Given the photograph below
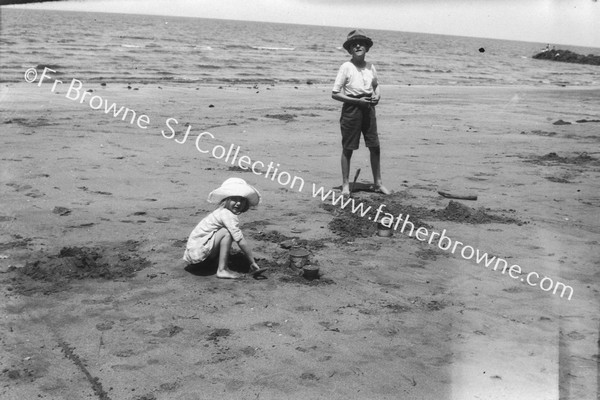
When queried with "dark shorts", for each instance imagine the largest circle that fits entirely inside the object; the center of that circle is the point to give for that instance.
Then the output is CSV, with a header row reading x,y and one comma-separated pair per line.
x,y
353,121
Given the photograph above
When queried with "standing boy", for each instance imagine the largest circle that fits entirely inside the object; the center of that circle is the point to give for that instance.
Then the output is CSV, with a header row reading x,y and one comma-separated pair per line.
x,y
357,87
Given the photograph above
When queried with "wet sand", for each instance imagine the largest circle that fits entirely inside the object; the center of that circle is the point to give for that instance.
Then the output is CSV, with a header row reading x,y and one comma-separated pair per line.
x,y
390,317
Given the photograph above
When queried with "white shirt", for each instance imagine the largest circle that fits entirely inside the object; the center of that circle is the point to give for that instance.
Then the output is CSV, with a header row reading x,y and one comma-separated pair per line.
x,y
355,81
220,218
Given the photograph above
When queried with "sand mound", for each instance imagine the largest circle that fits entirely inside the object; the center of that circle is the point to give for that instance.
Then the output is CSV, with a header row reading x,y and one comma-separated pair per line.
x,y
287,242
459,212
348,225
553,158
52,273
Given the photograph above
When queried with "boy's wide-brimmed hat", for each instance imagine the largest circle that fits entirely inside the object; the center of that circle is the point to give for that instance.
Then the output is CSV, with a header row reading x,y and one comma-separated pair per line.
x,y
235,187
355,35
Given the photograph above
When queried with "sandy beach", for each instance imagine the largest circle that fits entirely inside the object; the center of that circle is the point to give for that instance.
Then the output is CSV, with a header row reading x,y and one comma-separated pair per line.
x,y
389,318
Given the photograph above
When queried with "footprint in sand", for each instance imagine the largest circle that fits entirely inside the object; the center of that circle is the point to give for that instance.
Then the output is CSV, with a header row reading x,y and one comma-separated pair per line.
x,y
61,210
169,331
84,225
105,326
30,191
576,335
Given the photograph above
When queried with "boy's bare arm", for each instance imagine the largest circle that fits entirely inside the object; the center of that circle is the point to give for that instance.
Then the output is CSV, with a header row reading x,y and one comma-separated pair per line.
x,y
376,95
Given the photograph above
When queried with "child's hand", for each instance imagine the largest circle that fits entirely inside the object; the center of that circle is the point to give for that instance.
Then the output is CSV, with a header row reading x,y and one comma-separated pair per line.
x,y
254,266
256,270
374,100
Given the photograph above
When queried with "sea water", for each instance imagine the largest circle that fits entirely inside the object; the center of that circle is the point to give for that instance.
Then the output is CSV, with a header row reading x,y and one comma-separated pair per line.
x,y
141,49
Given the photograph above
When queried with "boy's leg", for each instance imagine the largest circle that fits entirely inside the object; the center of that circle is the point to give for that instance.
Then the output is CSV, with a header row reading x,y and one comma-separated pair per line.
x,y
350,125
223,241
369,127
376,168
346,156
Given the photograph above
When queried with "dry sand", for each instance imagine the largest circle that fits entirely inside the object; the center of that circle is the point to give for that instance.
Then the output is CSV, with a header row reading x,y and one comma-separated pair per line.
x,y
390,318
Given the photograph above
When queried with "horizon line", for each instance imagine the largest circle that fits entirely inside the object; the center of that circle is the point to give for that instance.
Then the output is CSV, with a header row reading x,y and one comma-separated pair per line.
x,y
20,7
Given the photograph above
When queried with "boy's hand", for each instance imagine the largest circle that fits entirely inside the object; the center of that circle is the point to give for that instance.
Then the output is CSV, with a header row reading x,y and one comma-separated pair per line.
x,y
365,102
374,100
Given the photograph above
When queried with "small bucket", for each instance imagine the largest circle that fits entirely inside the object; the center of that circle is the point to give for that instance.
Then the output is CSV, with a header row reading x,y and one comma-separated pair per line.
x,y
384,231
310,272
298,257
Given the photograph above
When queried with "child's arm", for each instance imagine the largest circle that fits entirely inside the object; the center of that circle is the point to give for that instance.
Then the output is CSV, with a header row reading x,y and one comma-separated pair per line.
x,y
232,224
248,251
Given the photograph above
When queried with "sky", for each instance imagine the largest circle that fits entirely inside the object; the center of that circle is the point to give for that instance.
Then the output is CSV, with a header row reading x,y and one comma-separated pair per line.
x,y
567,22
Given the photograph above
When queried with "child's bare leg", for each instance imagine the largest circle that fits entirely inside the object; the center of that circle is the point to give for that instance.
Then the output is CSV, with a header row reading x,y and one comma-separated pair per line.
x,y
223,241
376,168
346,156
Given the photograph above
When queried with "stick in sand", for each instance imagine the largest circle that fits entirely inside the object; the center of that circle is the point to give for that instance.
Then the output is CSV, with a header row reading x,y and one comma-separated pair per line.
x,y
355,178
457,195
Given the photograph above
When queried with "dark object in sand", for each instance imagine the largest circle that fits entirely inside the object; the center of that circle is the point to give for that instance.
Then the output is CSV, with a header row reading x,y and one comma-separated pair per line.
x,y
561,122
355,178
258,272
310,272
384,231
236,168
568,56
61,210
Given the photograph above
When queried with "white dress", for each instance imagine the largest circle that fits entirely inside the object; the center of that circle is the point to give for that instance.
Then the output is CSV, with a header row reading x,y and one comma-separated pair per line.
x,y
202,239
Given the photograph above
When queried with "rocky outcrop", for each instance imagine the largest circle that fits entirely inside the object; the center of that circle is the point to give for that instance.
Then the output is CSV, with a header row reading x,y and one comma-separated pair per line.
x,y
568,56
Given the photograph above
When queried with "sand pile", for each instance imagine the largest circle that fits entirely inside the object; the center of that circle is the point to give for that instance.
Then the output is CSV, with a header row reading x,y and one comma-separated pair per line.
x,y
349,225
288,242
459,212
51,273
554,158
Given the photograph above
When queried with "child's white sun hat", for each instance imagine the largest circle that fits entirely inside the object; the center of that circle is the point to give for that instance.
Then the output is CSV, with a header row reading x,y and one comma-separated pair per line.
x,y
235,187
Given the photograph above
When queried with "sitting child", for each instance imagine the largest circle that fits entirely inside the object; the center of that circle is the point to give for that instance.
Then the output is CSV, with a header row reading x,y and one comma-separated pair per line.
x,y
215,234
